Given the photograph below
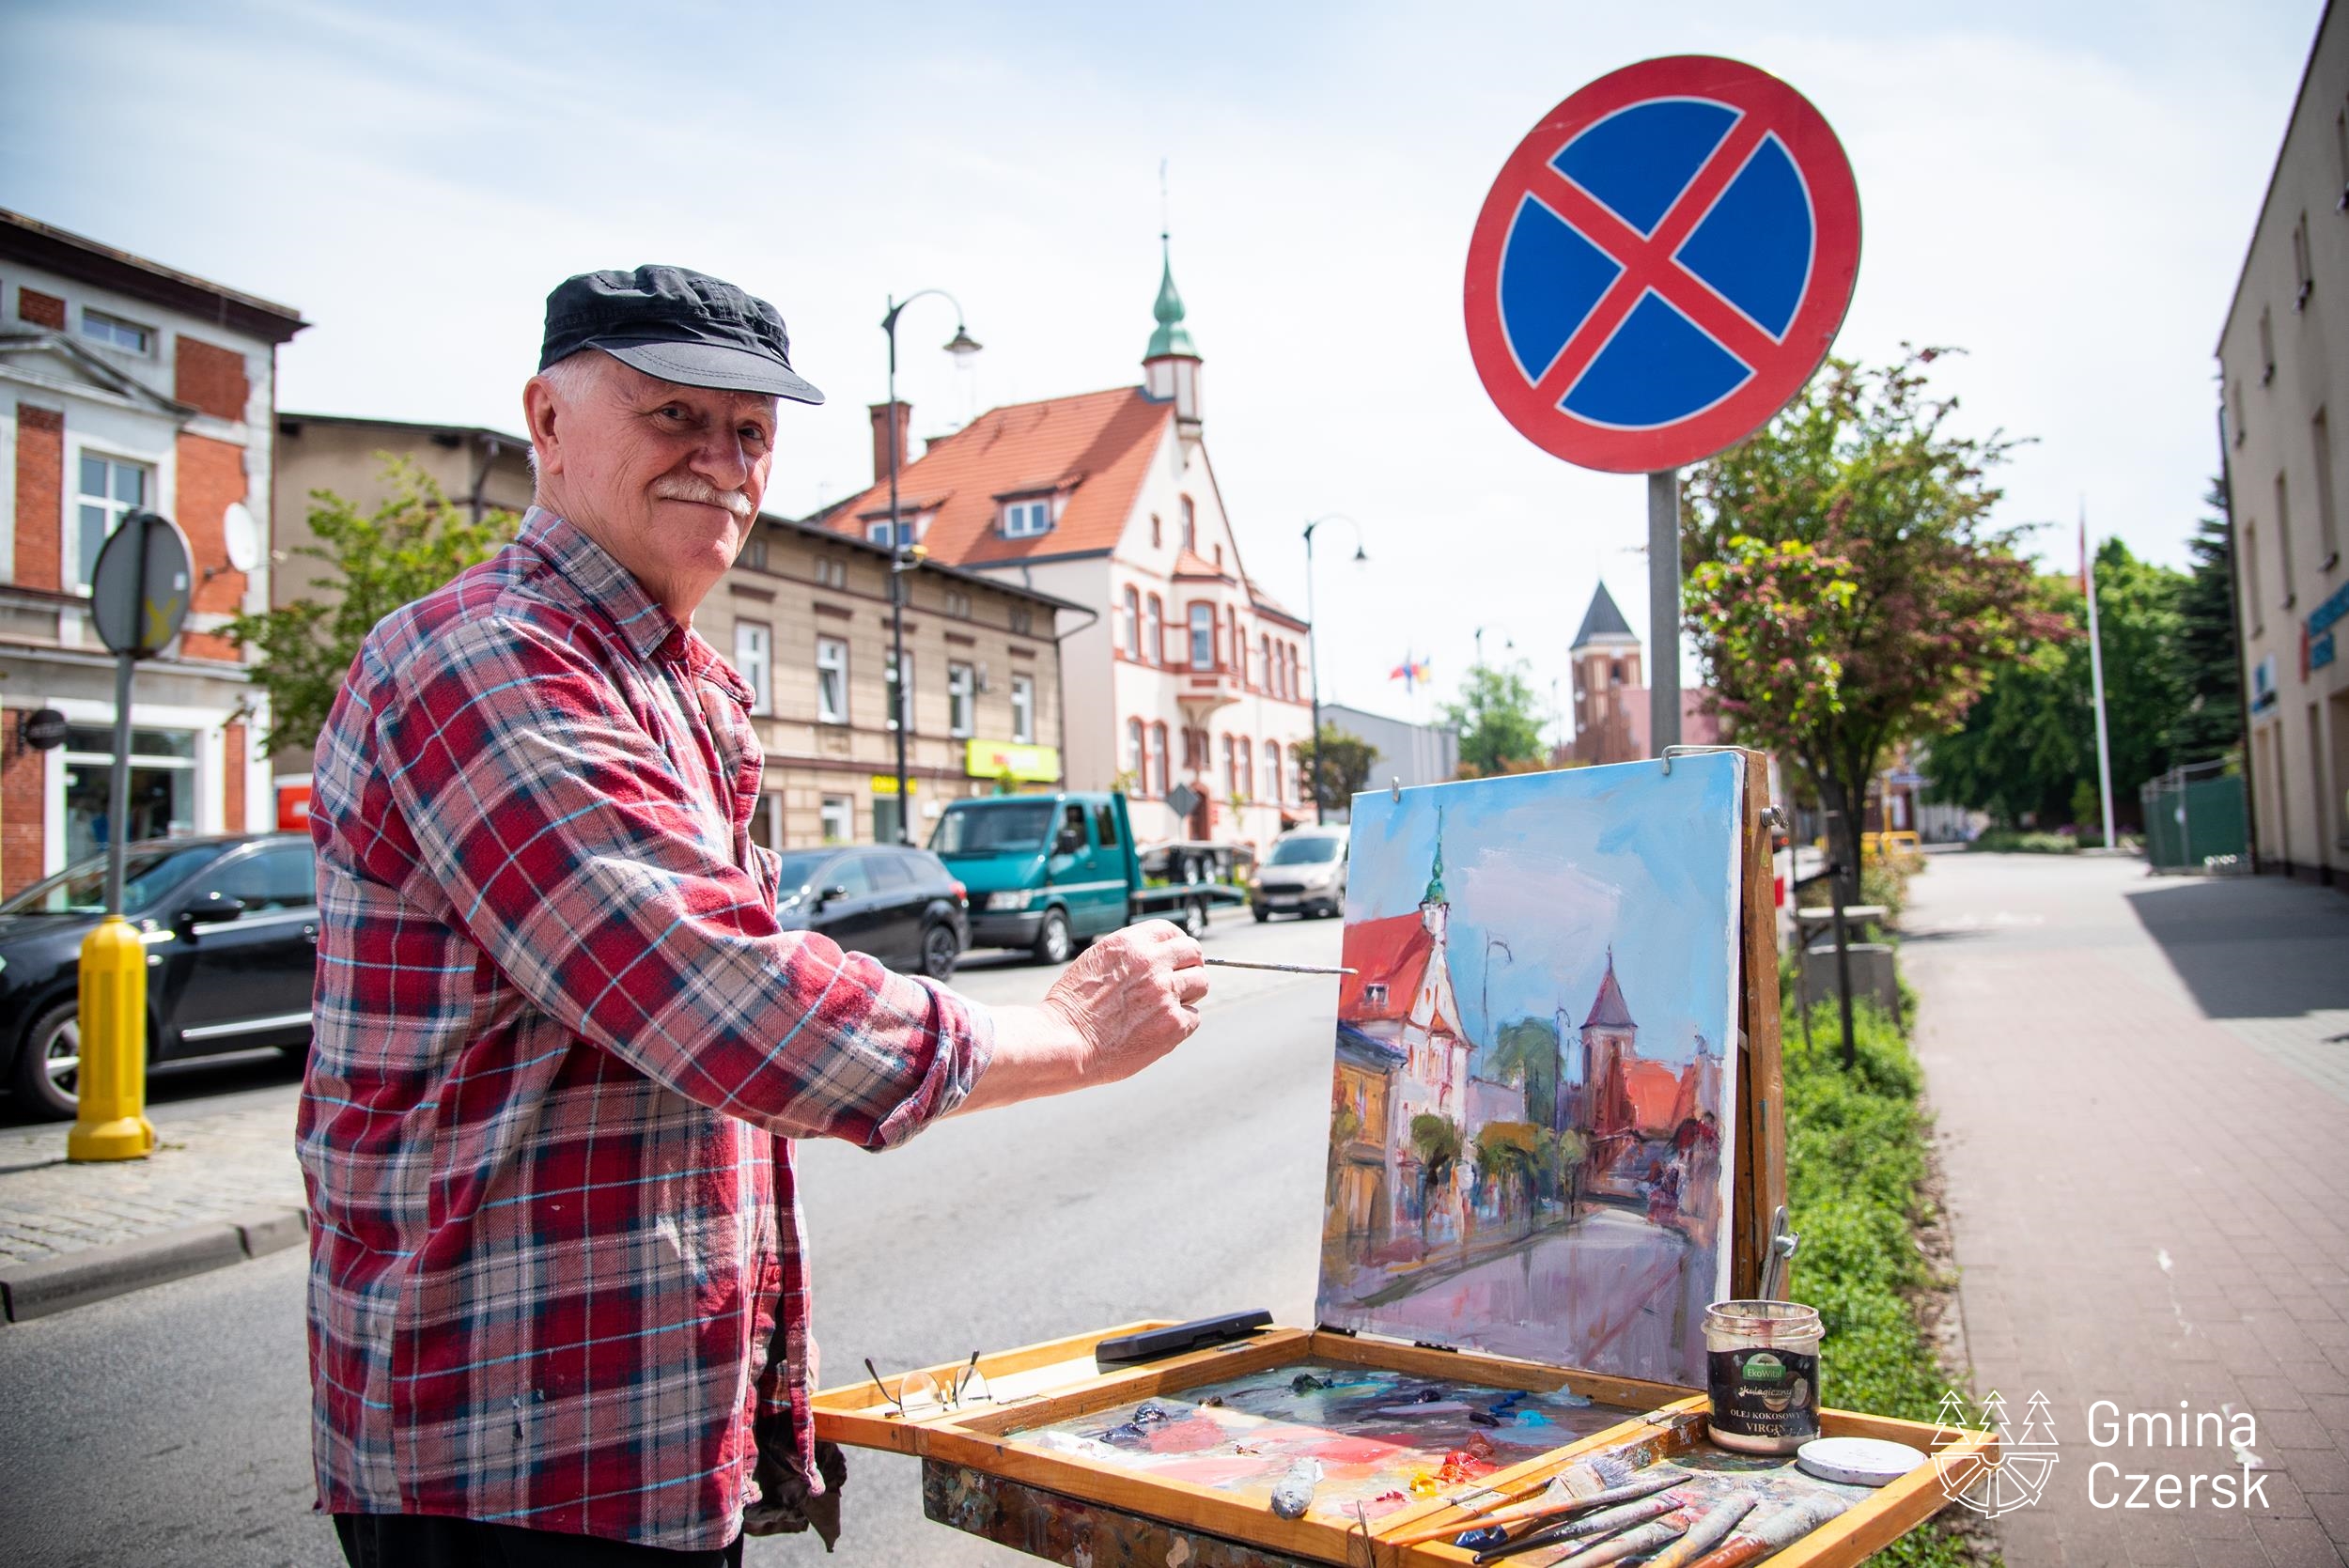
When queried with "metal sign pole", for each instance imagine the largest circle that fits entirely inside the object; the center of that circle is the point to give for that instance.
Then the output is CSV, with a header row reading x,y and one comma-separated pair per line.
x,y
1663,609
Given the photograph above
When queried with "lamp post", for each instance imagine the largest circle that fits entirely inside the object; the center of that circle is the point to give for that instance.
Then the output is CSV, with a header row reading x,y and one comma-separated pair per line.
x,y
1508,643
902,559
1313,648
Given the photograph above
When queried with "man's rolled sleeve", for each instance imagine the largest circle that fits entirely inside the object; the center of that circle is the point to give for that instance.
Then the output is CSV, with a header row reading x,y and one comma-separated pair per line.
x,y
546,816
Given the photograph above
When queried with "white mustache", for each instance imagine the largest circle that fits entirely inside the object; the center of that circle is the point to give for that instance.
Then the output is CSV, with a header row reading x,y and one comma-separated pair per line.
x,y
704,493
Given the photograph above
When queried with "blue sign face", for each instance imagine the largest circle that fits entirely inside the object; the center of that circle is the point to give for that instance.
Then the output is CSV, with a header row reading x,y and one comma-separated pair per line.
x,y
1662,264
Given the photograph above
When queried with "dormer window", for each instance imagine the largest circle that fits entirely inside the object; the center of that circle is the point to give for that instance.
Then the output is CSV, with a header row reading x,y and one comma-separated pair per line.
x,y
909,532
1024,519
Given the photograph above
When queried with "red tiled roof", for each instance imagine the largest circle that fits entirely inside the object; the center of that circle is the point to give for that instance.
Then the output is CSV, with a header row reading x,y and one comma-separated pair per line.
x,y
1191,564
1392,951
1653,1090
1095,446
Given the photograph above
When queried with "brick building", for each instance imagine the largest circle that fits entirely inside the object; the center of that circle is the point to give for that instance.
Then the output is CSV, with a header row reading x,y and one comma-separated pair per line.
x,y
125,384
1189,672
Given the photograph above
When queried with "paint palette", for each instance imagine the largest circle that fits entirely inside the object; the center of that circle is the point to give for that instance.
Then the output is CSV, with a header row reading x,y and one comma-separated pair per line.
x,y
1381,1439
1516,1249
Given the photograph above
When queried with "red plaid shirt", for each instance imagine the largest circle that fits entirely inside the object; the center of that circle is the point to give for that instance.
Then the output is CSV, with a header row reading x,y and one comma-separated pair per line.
x,y
562,1050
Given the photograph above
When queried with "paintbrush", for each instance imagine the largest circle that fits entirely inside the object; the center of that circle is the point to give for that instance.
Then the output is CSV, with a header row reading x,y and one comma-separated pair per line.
x,y
1606,1522
1711,1529
1584,1477
1648,1538
1779,1529
1277,968
1541,1510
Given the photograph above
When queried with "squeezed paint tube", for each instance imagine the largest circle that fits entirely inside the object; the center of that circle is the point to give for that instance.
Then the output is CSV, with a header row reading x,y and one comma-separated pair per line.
x,y
1711,1529
1293,1492
1551,1504
1780,1529
1606,1522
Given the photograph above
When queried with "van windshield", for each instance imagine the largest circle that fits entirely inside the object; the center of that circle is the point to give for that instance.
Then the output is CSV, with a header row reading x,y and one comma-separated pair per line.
x,y
1001,830
1303,851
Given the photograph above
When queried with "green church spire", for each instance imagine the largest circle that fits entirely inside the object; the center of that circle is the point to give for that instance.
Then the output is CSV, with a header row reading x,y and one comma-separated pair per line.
x,y
1172,337
1434,872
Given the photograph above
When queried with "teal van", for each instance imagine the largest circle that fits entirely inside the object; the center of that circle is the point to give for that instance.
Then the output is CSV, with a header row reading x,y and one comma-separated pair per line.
x,y
1049,873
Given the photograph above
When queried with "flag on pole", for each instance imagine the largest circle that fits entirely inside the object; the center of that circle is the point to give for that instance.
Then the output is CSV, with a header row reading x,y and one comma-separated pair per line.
x,y
1413,671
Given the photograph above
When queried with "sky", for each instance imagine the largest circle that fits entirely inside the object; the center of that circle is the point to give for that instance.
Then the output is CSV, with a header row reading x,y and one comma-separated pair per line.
x,y
1546,873
2065,192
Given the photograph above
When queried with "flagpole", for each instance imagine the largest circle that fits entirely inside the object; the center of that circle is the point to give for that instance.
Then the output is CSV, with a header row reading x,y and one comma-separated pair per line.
x,y
2097,677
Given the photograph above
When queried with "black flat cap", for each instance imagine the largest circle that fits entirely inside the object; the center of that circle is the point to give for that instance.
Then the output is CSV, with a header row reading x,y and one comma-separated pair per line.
x,y
677,324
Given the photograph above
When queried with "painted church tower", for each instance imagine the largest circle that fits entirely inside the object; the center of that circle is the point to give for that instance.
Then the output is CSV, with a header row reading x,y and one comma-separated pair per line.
x,y
1431,1031
1609,1038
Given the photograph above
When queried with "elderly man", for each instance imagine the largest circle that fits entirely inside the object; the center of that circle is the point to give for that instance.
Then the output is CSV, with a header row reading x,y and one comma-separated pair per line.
x,y
558,1284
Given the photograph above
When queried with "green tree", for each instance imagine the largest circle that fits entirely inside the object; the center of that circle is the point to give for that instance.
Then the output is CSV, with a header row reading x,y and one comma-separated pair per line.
x,y
377,562
1508,1156
2026,752
1528,1046
1437,1141
1337,767
1564,1153
1844,586
2210,677
1499,721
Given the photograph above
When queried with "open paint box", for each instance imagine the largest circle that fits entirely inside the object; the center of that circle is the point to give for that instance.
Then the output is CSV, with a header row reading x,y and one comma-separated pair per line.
x,y
1537,1183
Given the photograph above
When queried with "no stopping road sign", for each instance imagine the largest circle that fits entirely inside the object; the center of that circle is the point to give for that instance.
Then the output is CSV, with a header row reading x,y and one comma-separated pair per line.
x,y
1662,264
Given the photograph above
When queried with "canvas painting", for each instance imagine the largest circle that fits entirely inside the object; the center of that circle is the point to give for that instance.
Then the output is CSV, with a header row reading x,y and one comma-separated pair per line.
x,y
1531,1129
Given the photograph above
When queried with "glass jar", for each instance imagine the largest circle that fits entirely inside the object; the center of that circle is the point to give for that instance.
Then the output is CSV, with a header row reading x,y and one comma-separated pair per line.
x,y
1762,1365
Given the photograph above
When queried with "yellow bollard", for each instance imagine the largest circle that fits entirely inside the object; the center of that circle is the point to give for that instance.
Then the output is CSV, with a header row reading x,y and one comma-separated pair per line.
x,y
112,1122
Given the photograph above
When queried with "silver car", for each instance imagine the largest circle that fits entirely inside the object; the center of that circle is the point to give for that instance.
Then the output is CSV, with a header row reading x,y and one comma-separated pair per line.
x,y
1305,875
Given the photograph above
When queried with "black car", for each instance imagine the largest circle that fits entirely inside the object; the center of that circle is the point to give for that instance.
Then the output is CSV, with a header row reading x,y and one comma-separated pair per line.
x,y
231,928
899,904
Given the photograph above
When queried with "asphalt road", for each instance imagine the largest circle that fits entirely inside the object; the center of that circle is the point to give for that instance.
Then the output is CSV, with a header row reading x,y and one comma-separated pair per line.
x,y
172,1425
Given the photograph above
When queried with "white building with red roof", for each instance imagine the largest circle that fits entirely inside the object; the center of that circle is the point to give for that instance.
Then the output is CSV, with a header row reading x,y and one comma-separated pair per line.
x,y
1190,673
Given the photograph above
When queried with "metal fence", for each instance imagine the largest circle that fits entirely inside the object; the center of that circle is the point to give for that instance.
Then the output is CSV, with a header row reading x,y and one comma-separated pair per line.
x,y
2193,815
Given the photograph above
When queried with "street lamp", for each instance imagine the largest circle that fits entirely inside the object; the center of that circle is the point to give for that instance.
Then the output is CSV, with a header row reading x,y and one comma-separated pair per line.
x,y
902,560
1508,643
1312,650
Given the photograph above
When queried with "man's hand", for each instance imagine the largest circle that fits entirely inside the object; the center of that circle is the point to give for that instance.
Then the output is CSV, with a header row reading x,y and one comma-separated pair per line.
x,y
1130,999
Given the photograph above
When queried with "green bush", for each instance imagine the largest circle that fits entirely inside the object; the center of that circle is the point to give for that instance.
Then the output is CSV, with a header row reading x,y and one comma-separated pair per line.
x,y
1855,1158
2010,840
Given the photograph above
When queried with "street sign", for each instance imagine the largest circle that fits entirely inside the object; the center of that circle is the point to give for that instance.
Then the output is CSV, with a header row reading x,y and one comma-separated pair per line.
x,y
1661,264
42,729
140,589
1183,799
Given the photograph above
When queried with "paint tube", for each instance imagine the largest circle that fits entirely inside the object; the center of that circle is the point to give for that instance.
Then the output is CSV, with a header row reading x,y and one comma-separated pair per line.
x,y
1781,1527
1293,1492
1709,1530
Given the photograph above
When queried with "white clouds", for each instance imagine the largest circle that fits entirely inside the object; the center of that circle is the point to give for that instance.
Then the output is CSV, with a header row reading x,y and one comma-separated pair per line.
x,y
2064,193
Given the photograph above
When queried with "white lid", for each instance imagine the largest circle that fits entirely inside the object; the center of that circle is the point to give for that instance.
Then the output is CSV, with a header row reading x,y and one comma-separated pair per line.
x,y
1858,1461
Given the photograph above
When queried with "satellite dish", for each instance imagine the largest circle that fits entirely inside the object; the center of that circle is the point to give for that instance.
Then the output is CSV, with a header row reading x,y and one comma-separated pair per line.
x,y
242,537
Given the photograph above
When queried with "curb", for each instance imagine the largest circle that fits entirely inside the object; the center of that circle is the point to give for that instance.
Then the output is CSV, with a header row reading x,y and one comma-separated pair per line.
x,y
41,1286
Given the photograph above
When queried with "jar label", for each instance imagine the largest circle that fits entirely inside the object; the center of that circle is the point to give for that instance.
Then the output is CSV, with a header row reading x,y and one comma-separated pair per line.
x,y
1764,1394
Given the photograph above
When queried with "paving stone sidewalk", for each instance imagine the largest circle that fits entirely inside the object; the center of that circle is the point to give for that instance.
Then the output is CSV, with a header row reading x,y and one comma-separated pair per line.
x,y
214,1161
2142,1086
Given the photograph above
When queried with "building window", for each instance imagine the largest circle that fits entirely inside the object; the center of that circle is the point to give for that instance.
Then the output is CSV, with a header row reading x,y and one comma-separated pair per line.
x,y
1237,644
1244,772
2283,540
1133,754
900,692
1190,524
1158,759
2327,525
2300,264
831,681
831,573
2341,158
114,333
958,604
1153,630
2251,581
1264,664
1203,636
1194,750
1023,621
962,701
1157,532
1129,623
1023,709
163,786
1231,765
1026,518
909,531
2238,410
1374,994
2268,346
838,817
753,657
1272,771
111,489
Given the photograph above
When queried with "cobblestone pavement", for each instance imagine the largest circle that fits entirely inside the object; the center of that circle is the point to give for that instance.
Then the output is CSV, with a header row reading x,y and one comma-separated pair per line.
x,y
2144,1100
215,1158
